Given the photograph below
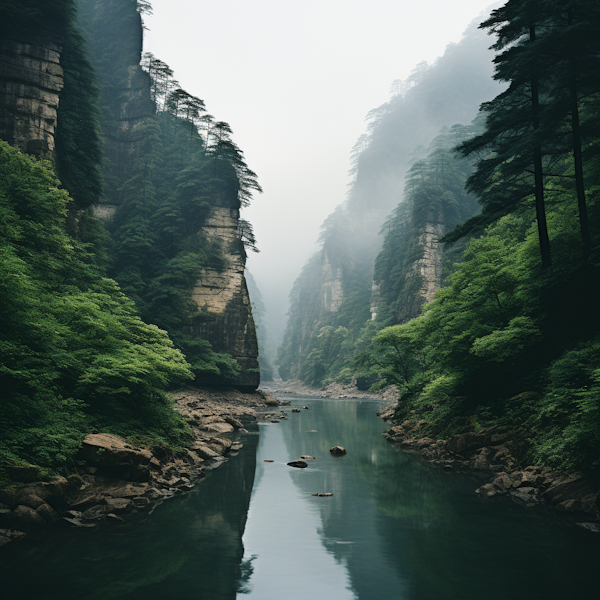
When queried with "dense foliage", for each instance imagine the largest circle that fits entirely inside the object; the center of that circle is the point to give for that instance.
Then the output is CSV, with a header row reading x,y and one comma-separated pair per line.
x,y
514,337
75,355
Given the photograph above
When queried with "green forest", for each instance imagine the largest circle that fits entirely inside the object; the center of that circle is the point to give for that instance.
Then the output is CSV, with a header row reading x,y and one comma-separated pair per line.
x,y
513,335
98,321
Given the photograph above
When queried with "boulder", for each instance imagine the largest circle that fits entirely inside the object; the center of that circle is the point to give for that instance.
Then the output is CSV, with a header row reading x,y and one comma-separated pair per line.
x,y
322,494
270,401
47,513
218,427
28,498
337,451
27,518
307,457
487,491
299,464
114,454
204,451
296,410
503,482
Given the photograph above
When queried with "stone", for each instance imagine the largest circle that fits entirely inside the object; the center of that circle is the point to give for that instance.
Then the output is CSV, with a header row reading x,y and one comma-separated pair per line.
x,y
141,502
12,534
27,518
73,514
296,410
424,442
204,451
233,422
153,494
269,460
307,457
337,451
487,491
96,513
305,407
28,498
503,482
4,541
113,517
118,505
322,494
114,453
74,482
593,527
299,464
270,401
47,513
218,427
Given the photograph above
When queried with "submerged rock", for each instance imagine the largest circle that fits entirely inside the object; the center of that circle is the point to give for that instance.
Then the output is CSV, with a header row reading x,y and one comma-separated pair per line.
x,y
299,464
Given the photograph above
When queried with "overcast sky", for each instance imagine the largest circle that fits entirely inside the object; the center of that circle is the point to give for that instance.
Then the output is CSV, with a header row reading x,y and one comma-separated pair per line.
x,y
295,79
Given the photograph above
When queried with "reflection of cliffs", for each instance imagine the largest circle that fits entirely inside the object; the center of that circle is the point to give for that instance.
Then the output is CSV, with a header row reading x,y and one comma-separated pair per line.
x,y
347,283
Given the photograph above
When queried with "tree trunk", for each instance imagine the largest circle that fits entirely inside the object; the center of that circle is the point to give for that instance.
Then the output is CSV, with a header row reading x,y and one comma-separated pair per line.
x,y
540,209
581,203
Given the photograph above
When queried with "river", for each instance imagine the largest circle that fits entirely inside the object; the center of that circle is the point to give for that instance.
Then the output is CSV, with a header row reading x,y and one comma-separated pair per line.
x,y
395,528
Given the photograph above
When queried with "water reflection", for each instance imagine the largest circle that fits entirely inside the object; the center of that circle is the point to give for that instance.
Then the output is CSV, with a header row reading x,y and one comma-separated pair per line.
x,y
398,528
190,547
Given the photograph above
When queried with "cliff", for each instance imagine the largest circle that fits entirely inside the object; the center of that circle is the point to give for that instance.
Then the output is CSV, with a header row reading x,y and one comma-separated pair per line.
x,y
161,176
346,285
31,79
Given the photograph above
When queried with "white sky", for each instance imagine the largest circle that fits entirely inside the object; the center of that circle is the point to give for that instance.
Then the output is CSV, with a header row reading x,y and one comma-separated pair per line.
x,y
295,79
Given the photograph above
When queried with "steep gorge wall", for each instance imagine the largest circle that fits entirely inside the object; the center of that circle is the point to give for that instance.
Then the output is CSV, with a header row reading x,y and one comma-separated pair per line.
x,y
130,131
223,298
448,91
31,79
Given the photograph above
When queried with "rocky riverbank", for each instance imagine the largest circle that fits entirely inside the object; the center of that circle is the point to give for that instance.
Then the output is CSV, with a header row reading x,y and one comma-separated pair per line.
x,y
333,390
117,478
498,455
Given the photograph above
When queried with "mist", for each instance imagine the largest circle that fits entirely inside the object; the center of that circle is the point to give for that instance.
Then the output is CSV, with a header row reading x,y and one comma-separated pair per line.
x,y
295,82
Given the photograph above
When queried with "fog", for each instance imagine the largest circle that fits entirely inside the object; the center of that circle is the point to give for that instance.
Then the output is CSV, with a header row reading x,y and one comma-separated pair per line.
x,y
295,81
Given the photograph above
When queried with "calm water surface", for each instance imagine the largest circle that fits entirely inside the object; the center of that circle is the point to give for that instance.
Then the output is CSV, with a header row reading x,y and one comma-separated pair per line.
x,y
395,528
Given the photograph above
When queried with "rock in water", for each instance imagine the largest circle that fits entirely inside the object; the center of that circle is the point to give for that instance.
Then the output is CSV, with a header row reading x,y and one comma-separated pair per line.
x,y
307,457
299,464
337,451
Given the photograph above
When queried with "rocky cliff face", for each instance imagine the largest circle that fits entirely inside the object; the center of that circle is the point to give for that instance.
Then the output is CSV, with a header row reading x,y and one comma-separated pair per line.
x,y
223,297
132,146
31,79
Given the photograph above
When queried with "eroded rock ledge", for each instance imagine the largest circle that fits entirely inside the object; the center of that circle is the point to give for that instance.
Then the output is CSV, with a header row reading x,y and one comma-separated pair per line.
x,y
119,479
498,454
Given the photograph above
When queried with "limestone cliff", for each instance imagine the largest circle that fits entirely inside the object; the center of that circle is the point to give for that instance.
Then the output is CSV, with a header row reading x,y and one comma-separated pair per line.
x,y
350,284
31,79
147,151
223,298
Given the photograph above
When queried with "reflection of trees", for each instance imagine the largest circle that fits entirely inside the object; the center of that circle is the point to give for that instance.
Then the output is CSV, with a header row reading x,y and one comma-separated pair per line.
x,y
406,524
189,547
